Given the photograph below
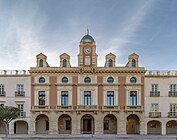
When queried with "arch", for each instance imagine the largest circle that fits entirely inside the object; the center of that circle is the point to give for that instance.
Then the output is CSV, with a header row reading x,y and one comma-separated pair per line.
x,y
110,80
41,80
171,127
64,124
87,80
64,80
110,63
87,124
133,63
42,124
110,124
154,127
2,128
41,63
20,127
64,63
133,124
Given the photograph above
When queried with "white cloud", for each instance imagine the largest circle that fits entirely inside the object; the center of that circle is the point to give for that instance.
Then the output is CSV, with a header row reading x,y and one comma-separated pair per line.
x,y
124,35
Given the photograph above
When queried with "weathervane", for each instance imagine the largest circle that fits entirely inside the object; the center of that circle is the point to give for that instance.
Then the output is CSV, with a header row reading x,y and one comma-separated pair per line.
x,y
87,31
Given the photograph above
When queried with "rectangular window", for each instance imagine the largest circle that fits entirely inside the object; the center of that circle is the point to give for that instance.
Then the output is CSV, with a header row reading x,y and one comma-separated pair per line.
x,y
64,98
110,98
133,98
154,89
106,125
20,88
154,107
173,109
68,125
87,60
41,97
20,107
87,97
173,89
2,93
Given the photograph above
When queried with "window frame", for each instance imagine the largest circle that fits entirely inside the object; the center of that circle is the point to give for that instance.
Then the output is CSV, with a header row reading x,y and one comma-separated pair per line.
x,y
87,80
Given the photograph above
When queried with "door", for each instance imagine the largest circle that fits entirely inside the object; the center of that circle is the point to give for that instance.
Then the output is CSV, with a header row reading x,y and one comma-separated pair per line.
x,y
87,125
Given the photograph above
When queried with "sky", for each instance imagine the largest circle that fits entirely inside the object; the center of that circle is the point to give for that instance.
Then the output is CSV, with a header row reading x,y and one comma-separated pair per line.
x,y
123,27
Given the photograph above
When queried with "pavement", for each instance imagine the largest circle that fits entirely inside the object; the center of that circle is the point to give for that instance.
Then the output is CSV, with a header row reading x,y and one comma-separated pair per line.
x,y
89,137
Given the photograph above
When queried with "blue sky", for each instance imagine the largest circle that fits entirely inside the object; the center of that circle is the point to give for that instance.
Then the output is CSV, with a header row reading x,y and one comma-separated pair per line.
x,y
146,27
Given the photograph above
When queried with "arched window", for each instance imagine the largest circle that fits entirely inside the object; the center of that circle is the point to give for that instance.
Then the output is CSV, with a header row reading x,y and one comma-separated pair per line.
x,y
64,63
87,80
41,63
132,80
41,80
110,63
133,63
64,80
110,80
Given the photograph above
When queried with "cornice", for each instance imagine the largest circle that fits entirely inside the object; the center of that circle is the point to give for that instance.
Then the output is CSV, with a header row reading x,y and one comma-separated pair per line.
x,y
92,70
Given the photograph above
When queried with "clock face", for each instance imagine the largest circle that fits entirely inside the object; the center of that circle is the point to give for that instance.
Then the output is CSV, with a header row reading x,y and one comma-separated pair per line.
x,y
87,50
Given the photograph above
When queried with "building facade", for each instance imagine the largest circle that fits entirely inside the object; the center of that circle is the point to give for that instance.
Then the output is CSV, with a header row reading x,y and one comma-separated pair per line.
x,y
88,99
161,102
15,91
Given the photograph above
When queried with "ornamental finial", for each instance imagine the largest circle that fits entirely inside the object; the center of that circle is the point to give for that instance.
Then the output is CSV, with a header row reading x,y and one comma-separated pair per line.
x,y
87,31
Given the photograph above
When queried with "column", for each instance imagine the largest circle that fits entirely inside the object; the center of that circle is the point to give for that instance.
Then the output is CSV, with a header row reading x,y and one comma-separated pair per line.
x,y
121,128
163,128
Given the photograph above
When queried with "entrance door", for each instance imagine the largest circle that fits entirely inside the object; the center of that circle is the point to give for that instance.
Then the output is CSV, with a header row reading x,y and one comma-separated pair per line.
x,y
87,125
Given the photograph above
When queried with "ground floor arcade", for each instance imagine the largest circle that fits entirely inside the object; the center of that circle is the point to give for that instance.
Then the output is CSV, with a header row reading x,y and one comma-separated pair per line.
x,y
17,126
90,122
161,126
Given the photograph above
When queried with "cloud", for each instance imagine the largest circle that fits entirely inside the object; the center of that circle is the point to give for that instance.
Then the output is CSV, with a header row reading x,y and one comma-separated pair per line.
x,y
119,41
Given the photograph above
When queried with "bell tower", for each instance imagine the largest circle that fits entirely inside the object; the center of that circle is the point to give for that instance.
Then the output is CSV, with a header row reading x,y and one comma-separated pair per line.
x,y
87,56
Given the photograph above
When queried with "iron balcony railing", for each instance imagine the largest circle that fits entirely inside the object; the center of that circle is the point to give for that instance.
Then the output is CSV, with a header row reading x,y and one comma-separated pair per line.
x,y
154,93
20,93
155,114
21,114
172,114
2,93
172,94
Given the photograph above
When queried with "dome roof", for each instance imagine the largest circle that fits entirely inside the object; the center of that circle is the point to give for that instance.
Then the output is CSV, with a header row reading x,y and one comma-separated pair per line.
x,y
87,38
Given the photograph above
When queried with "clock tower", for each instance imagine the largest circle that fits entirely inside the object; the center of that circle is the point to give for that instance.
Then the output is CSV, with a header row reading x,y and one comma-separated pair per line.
x,y
87,56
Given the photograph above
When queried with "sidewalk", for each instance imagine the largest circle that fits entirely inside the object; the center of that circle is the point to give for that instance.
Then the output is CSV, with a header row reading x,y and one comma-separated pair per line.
x,y
89,136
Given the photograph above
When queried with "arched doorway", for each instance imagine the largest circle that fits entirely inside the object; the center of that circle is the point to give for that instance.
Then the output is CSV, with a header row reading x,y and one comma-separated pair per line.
x,y
110,124
154,127
20,127
42,124
2,128
171,127
87,124
133,124
64,124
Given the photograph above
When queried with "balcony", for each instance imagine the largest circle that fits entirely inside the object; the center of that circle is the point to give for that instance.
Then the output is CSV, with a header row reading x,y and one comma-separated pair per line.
x,y
21,114
40,108
172,114
154,114
134,108
2,93
63,108
87,107
110,108
154,93
19,93
172,94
